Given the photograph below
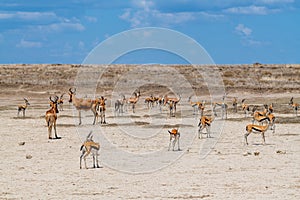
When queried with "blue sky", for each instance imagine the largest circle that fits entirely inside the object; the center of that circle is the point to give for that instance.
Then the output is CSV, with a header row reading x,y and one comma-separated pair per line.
x,y
231,31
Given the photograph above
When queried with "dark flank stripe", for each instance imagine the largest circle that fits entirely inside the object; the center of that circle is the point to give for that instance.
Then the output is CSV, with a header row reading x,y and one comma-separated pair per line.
x,y
263,119
254,128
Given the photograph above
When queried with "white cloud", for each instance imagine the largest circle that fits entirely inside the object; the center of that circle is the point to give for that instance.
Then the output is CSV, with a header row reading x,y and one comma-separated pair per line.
x,y
91,19
251,10
28,16
246,36
29,44
275,1
60,27
243,30
6,16
143,18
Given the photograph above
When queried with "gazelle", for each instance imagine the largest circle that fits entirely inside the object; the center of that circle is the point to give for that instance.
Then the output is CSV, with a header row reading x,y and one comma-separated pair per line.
x,y
23,107
60,102
133,100
89,146
198,106
260,113
259,129
234,104
270,108
172,108
223,106
149,101
204,123
172,103
51,117
174,135
272,118
83,104
269,118
102,108
119,105
295,106
245,107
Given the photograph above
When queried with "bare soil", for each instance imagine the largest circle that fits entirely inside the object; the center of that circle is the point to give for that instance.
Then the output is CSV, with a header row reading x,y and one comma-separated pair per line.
x,y
221,167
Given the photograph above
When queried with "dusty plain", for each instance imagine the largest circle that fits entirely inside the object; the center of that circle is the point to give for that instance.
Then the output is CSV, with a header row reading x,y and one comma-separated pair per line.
x,y
221,167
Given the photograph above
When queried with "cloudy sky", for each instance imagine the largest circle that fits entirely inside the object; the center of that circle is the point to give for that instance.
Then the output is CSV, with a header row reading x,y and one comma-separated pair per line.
x,y
231,31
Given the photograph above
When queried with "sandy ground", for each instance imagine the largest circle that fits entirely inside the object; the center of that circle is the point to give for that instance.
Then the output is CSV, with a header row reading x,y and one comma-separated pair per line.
x,y
49,169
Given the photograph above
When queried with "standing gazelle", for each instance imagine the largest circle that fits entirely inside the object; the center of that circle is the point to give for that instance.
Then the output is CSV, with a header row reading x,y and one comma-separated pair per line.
x,y
102,109
83,104
60,102
204,123
295,106
51,117
174,135
89,146
234,104
260,129
23,107
133,100
172,104
245,107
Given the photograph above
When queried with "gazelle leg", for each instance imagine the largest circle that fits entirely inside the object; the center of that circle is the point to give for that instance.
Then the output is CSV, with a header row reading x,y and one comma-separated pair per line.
x,y
97,163
81,160
54,126
95,115
263,137
49,131
246,135
208,131
79,114
178,144
170,143
94,165
104,122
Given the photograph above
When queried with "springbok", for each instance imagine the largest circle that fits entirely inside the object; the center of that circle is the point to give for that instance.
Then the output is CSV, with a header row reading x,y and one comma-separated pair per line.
x,y
234,104
260,129
51,117
268,118
204,123
295,106
270,108
133,100
172,103
149,101
119,105
89,146
245,107
198,106
174,135
102,108
60,102
260,113
23,107
83,104
223,106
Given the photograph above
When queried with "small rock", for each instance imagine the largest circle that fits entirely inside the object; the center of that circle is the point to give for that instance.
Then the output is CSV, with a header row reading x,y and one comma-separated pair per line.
x,y
280,152
256,153
21,143
246,153
28,156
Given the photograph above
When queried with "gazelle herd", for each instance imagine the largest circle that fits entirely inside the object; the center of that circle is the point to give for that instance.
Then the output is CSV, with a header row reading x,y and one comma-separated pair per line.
x,y
262,120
